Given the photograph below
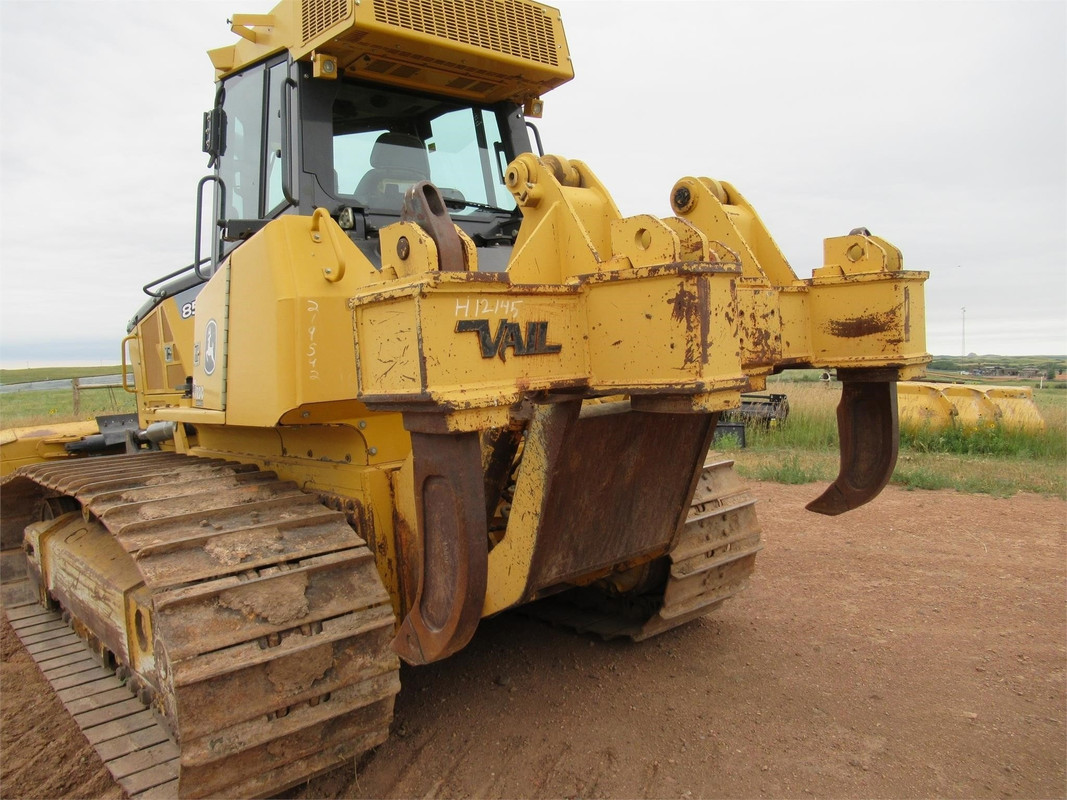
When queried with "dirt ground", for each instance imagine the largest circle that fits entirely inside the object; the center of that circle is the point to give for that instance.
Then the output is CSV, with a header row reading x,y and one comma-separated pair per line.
x,y
913,648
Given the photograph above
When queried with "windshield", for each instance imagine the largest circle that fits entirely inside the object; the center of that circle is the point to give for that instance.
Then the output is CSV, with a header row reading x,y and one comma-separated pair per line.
x,y
385,141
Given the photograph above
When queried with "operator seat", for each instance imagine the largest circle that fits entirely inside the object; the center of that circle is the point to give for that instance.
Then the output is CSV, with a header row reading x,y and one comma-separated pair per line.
x,y
398,161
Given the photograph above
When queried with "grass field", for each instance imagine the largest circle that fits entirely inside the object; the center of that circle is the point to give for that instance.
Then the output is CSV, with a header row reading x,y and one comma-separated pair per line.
x,y
21,409
992,461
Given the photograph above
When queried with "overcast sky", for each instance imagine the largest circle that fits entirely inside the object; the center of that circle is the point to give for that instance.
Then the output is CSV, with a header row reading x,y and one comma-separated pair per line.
x,y
939,126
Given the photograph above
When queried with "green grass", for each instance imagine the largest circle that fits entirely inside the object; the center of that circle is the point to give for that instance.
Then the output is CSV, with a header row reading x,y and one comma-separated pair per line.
x,y
921,478
803,450
789,470
728,441
29,408
989,461
812,422
992,441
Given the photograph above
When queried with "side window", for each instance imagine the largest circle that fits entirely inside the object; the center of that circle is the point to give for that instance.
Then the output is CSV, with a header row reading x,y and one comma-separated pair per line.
x,y
498,191
240,163
275,197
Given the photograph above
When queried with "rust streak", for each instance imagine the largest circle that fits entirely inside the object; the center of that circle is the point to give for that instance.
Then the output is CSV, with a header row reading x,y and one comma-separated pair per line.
x,y
704,318
866,325
685,305
907,315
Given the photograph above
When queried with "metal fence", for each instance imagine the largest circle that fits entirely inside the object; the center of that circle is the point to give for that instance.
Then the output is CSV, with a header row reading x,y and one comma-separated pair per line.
x,y
76,385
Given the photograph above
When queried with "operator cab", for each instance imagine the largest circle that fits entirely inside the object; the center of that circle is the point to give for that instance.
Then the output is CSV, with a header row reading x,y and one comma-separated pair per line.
x,y
283,141
344,106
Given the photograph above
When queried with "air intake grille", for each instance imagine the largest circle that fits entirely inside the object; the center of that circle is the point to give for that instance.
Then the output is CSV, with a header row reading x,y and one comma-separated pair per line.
x,y
317,16
513,27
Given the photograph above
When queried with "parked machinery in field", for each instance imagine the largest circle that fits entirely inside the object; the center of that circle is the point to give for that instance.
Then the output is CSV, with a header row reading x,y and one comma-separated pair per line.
x,y
767,410
941,406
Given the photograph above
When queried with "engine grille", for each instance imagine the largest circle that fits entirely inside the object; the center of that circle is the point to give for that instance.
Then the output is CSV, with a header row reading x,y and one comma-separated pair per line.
x,y
318,15
512,27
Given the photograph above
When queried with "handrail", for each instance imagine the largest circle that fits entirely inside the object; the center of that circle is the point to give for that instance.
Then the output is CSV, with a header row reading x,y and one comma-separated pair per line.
x,y
320,226
198,261
125,386
288,85
537,137
149,287
220,199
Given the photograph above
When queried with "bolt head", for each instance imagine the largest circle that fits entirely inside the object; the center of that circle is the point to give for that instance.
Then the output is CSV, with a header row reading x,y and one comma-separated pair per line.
x,y
681,199
403,248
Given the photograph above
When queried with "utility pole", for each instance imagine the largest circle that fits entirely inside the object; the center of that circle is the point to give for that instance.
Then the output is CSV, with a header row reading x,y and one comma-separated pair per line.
x,y
963,331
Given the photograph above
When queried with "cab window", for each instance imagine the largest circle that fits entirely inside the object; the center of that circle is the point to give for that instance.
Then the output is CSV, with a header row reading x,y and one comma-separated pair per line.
x,y
250,164
385,142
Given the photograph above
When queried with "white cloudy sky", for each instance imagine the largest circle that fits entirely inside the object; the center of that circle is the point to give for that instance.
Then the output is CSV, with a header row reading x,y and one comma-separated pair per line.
x,y
940,126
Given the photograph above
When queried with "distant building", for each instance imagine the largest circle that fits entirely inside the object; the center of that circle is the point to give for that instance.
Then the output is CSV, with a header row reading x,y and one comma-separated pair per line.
x,y
997,371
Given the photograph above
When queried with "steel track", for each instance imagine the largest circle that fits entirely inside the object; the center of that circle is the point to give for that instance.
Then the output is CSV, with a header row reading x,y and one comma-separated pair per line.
x,y
710,562
271,625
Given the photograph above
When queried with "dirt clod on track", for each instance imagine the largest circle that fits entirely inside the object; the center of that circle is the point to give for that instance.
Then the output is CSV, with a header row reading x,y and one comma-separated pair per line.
x,y
913,648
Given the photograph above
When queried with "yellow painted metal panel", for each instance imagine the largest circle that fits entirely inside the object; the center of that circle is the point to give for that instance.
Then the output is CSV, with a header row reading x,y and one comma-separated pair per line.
x,y
29,445
465,343
941,405
484,50
210,345
1017,409
973,408
924,405
870,320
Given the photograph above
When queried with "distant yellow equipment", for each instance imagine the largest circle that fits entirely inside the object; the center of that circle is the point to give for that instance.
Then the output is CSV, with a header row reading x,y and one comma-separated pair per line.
x,y
938,406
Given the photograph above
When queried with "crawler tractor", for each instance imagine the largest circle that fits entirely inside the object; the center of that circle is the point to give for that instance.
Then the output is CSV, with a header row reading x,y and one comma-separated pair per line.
x,y
418,374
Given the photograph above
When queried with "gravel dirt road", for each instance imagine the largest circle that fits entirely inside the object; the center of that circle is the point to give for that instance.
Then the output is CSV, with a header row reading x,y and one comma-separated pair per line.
x,y
913,648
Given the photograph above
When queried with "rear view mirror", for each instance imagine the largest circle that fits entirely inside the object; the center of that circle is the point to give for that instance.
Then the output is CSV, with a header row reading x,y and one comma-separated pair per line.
x,y
214,133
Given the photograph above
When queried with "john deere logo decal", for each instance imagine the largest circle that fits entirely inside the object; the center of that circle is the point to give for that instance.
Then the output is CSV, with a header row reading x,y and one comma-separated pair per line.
x,y
509,336
211,338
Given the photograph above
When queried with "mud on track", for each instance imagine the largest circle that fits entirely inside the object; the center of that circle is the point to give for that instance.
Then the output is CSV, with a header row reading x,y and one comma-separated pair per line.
x,y
915,647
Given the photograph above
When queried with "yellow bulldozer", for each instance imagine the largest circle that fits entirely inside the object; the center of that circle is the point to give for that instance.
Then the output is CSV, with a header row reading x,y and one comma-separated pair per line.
x,y
418,374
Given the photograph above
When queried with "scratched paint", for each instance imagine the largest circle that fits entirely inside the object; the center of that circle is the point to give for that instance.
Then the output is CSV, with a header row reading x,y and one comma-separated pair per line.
x,y
312,350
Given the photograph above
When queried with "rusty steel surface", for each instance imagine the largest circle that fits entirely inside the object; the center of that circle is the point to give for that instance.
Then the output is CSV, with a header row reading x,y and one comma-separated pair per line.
x,y
20,504
453,547
423,204
710,562
868,429
616,490
271,626
500,445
